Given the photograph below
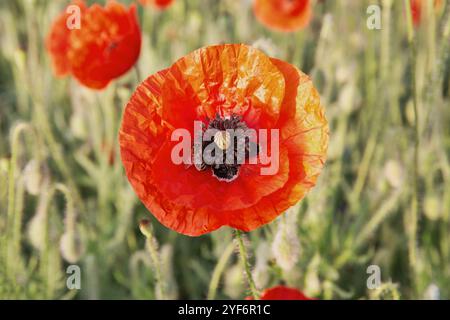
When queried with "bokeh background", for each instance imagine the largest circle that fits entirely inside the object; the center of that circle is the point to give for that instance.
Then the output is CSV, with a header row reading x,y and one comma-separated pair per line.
x,y
60,164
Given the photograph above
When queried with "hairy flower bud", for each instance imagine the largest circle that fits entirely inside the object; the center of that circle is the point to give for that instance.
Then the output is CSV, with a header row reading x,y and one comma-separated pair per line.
x,y
261,271
168,275
286,245
71,243
432,292
34,176
37,227
72,246
432,207
36,230
393,173
234,279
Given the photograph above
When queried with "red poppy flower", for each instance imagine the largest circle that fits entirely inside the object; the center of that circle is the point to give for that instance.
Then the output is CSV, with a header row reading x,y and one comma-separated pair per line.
x,y
224,86
105,46
283,15
282,293
160,4
418,5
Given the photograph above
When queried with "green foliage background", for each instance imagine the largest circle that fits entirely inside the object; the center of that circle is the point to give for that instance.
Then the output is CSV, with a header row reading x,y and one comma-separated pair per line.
x,y
59,162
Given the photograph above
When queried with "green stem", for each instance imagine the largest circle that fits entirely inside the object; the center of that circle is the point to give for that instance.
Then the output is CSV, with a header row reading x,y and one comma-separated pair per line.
x,y
12,187
218,270
17,228
412,241
138,74
152,247
56,152
48,245
246,264
70,206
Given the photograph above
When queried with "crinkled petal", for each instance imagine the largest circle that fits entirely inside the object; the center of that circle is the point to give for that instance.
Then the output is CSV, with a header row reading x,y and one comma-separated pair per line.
x,y
106,46
304,132
193,189
193,202
57,42
225,80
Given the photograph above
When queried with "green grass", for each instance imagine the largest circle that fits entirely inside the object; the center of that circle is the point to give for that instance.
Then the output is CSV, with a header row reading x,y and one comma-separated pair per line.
x,y
360,213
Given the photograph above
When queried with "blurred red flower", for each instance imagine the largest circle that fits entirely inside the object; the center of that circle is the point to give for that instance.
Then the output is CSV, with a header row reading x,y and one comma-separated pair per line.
x,y
282,293
283,15
417,6
105,46
231,86
160,4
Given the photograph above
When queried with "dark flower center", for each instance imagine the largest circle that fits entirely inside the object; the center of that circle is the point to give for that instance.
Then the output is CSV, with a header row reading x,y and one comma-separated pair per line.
x,y
226,148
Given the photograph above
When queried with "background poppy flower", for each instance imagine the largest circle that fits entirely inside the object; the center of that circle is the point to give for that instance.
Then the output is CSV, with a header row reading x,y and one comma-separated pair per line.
x,y
160,4
283,293
106,45
58,42
225,80
417,6
283,15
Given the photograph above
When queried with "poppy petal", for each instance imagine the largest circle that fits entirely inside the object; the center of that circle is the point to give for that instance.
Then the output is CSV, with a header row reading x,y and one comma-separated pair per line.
x,y
57,42
106,45
283,15
304,132
283,293
224,79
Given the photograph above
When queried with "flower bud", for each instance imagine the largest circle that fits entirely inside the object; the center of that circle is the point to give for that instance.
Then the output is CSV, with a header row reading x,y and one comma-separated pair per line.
x,y
71,246
168,275
146,228
393,173
71,243
432,207
34,176
312,281
432,292
349,98
37,227
261,271
78,125
233,281
286,246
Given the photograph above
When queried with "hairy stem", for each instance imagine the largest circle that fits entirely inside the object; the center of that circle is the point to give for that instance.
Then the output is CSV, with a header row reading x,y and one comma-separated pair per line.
x,y
246,264
152,247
